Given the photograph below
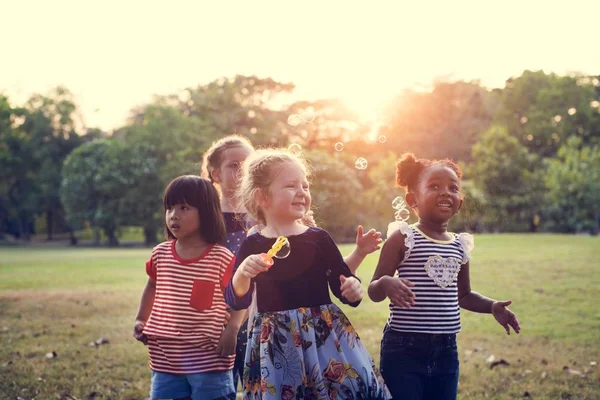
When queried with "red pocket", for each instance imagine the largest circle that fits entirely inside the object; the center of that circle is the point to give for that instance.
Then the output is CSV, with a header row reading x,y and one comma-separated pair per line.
x,y
202,295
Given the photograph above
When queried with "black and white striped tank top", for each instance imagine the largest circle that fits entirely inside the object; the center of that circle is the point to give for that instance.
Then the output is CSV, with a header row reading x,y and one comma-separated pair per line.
x,y
433,266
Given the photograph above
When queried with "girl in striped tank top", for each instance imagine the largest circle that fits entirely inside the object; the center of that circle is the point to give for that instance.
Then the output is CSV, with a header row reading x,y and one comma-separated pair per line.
x,y
182,312
424,271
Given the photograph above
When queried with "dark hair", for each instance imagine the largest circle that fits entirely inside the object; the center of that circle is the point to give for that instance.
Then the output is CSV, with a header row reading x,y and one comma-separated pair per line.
x,y
409,169
200,193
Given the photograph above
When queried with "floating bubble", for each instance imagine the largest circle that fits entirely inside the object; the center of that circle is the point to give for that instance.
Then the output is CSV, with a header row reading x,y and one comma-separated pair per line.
x,y
557,118
284,251
572,111
295,120
402,215
339,146
524,120
309,115
398,203
530,137
381,139
361,163
594,103
595,82
295,148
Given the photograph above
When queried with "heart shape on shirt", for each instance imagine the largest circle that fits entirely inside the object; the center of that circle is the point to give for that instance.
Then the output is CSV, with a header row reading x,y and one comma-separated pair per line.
x,y
442,270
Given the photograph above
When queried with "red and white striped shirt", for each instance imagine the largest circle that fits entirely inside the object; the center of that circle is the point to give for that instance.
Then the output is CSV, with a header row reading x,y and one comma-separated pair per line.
x,y
187,317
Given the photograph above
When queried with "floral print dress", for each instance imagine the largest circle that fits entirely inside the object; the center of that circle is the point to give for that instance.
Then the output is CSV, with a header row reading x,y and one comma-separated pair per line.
x,y
300,345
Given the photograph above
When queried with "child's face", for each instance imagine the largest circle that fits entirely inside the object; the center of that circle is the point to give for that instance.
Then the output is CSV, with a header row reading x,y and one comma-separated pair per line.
x,y
227,173
438,195
288,197
183,220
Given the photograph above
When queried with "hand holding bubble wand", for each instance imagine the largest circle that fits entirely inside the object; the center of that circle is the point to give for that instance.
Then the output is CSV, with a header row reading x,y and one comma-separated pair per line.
x,y
280,249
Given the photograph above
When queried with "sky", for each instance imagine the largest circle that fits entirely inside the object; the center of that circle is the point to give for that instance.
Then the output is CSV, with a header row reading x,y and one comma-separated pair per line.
x,y
115,55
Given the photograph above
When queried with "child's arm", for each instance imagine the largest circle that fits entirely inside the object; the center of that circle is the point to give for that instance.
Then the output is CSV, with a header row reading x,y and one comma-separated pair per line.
x,y
238,294
228,340
144,310
365,245
384,284
476,302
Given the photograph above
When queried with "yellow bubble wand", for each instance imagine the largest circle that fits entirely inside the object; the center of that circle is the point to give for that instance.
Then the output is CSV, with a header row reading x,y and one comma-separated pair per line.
x,y
276,248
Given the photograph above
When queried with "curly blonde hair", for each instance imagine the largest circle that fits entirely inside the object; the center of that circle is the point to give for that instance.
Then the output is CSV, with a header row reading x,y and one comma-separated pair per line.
x,y
258,172
213,156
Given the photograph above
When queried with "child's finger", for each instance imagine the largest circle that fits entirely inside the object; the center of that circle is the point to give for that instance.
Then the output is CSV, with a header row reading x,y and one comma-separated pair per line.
x,y
407,283
506,327
505,303
359,231
515,324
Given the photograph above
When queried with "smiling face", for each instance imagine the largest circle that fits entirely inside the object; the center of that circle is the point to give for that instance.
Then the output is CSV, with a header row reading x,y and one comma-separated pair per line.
x,y
288,196
437,197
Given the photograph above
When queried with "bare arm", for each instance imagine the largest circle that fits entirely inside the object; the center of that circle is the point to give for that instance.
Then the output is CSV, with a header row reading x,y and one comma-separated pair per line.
x,y
144,310
476,302
228,340
383,283
468,299
354,259
365,244
147,301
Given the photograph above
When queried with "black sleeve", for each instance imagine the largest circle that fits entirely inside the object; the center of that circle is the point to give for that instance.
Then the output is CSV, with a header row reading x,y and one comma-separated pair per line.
x,y
335,267
240,303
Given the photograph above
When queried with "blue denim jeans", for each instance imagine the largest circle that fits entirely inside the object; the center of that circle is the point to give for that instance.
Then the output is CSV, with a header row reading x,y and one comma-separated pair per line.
x,y
419,366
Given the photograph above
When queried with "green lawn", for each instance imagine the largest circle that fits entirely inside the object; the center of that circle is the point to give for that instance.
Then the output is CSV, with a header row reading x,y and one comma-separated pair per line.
x,y
61,299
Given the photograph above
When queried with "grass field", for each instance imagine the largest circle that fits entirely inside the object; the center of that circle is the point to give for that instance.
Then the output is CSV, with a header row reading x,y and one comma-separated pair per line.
x,y
59,300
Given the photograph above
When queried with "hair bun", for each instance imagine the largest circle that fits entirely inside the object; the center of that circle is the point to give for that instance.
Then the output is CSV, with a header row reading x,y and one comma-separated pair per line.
x,y
407,170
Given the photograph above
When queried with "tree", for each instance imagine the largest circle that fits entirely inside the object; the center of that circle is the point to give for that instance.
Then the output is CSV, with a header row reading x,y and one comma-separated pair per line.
x,y
18,191
500,169
331,182
443,123
573,187
51,124
242,105
543,110
99,180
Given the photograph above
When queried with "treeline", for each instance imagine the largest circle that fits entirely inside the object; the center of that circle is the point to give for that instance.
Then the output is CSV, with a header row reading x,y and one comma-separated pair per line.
x,y
530,152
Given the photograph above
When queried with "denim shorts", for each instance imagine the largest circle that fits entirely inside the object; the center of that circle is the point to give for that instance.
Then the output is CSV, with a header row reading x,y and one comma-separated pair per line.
x,y
204,386
420,366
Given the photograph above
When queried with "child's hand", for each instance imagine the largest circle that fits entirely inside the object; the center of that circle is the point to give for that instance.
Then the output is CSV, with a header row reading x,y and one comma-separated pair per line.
x,y
399,293
351,289
368,242
227,342
252,266
138,332
227,316
505,317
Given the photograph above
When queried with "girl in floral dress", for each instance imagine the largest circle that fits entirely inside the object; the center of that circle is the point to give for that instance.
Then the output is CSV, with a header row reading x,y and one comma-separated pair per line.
x,y
300,345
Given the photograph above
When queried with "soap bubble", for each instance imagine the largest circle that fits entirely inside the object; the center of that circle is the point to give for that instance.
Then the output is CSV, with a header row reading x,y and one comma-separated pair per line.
x,y
285,250
295,148
361,163
295,120
381,139
572,111
339,146
398,203
402,215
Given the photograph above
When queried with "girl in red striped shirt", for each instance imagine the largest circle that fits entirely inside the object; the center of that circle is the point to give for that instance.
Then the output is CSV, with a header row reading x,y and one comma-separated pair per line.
x,y
183,311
